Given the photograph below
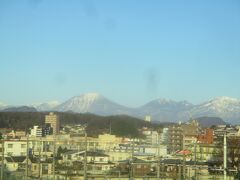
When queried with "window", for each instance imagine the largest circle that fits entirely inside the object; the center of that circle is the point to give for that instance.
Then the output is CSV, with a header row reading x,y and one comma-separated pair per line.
x,y
23,146
10,145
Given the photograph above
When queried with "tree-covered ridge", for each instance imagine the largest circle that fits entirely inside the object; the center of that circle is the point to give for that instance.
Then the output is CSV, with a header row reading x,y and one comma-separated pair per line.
x,y
119,125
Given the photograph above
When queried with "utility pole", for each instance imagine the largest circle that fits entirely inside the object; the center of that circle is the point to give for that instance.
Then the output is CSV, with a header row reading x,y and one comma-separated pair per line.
x,y
179,171
158,158
27,157
85,157
225,156
2,165
184,165
131,163
54,155
39,158
195,160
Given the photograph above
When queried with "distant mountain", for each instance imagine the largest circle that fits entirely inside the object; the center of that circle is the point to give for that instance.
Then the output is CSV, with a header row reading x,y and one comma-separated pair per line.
x,y
210,121
92,103
165,110
20,109
171,111
48,106
161,110
224,107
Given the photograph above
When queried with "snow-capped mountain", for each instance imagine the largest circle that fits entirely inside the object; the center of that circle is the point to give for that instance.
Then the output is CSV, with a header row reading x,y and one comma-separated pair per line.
x,y
165,110
225,107
166,104
48,106
220,105
92,103
162,110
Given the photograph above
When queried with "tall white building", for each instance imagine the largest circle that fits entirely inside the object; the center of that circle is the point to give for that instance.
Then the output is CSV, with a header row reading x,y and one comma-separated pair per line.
x,y
36,131
164,136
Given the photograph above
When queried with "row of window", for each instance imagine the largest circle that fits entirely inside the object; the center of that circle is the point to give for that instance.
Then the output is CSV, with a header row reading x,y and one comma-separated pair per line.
x,y
11,145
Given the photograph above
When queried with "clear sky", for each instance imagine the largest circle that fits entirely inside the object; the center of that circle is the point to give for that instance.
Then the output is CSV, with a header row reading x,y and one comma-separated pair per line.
x,y
131,51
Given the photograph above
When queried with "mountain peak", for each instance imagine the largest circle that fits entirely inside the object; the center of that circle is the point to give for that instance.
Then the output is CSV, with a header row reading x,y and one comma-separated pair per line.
x,y
48,106
225,99
165,101
93,103
91,95
222,102
225,107
87,98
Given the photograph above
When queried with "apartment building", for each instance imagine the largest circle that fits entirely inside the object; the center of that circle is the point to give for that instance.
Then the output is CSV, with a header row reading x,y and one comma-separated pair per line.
x,y
53,120
179,134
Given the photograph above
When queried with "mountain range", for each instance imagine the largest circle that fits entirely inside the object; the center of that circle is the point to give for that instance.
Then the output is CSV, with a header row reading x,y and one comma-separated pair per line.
x,y
161,110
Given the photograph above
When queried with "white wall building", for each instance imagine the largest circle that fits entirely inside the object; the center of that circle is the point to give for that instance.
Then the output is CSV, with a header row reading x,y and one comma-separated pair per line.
x,y
95,157
36,131
15,148
164,136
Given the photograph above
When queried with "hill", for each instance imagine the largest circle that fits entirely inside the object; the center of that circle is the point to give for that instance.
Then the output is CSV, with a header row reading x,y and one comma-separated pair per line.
x,y
20,109
120,125
92,103
210,121
160,110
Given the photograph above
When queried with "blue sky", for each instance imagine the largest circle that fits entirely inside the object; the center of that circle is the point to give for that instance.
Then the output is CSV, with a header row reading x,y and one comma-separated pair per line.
x,y
129,51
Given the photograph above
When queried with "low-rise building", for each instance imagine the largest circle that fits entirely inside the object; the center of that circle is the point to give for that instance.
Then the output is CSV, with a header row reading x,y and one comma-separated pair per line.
x,y
74,155
15,148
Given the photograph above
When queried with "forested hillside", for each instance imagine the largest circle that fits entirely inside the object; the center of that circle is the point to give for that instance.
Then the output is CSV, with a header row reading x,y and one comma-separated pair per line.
x,y
120,125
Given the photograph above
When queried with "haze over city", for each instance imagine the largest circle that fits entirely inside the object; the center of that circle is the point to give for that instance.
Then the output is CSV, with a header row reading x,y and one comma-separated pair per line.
x,y
129,51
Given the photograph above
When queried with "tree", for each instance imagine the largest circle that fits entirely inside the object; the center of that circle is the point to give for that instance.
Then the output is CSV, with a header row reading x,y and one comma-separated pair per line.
x,y
60,151
233,152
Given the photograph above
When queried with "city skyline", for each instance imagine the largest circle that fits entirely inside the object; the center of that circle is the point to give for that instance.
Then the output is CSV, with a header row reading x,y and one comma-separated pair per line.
x,y
131,52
